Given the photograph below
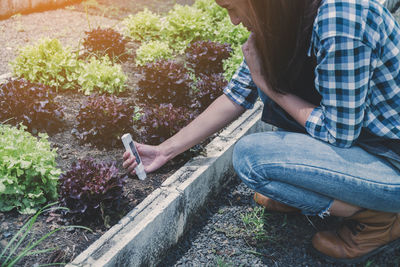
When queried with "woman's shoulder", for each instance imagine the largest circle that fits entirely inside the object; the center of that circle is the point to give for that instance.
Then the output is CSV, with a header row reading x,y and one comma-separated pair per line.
x,y
357,19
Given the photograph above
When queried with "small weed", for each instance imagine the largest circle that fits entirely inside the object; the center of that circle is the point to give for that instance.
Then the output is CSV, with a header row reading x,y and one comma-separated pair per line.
x,y
70,7
110,10
284,221
369,264
91,4
221,262
18,25
256,253
254,224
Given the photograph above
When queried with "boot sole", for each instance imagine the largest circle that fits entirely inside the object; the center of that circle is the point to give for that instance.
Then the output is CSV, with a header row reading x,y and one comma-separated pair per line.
x,y
387,248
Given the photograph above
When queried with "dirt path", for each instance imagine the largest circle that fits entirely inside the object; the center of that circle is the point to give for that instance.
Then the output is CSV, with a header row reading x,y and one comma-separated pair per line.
x,y
66,25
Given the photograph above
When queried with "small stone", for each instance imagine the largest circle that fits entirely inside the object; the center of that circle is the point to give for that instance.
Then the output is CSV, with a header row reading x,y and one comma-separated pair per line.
x,y
3,243
7,234
4,226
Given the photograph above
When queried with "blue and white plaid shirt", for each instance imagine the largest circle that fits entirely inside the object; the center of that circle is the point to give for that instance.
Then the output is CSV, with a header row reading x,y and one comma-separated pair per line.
x,y
357,47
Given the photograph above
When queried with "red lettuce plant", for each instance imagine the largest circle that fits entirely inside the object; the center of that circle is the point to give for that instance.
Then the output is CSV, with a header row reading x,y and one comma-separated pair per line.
x,y
208,88
159,122
206,57
91,190
102,120
105,42
30,103
164,81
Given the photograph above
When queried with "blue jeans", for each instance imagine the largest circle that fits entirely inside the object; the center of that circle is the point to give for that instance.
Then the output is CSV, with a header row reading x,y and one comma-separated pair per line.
x,y
306,173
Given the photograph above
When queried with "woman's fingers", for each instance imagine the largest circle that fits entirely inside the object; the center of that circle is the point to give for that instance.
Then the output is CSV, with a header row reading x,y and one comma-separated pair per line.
x,y
126,155
131,168
129,163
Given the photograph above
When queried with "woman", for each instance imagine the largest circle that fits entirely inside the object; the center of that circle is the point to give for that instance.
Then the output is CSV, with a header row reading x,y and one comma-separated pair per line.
x,y
329,75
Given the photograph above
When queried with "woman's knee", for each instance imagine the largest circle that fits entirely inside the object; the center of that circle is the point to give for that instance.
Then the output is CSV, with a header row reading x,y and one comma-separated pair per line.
x,y
248,153
258,156
243,151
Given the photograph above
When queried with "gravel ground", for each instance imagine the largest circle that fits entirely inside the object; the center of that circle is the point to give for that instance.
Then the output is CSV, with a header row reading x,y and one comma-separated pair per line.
x,y
219,237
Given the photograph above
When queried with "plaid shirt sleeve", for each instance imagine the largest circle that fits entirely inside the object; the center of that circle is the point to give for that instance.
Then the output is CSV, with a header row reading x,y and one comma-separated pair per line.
x,y
241,89
342,79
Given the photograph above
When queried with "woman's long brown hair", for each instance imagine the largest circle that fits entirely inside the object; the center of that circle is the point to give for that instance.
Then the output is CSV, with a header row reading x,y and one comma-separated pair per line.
x,y
283,31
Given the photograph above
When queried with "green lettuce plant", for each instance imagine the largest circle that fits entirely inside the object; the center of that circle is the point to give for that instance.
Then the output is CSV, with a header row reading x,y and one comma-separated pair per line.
x,y
183,24
143,26
223,30
153,51
28,172
47,62
226,32
101,76
211,8
231,64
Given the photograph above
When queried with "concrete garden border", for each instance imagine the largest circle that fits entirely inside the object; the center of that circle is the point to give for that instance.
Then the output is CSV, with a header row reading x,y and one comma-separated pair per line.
x,y
143,236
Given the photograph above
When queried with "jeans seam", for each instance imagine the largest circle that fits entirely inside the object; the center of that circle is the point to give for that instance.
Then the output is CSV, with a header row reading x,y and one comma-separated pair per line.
x,y
396,186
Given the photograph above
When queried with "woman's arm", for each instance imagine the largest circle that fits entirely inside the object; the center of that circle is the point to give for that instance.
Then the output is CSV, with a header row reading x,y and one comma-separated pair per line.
x,y
298,108
219,114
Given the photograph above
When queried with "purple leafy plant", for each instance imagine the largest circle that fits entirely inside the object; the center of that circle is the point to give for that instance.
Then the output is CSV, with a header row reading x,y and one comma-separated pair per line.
x,y
206,57
105,42
164,81
91,190
209,87
30,103
102,120
159,122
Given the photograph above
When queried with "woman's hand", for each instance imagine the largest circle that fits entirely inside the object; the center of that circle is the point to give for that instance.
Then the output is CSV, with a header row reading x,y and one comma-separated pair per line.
x,y
152,158
254,61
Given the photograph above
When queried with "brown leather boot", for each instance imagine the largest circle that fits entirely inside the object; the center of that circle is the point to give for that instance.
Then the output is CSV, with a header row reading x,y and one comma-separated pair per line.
x,y
362,235
273,205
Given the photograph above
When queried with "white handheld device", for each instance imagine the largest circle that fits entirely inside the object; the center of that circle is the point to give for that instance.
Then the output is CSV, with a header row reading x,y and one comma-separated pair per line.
x,y
130,147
